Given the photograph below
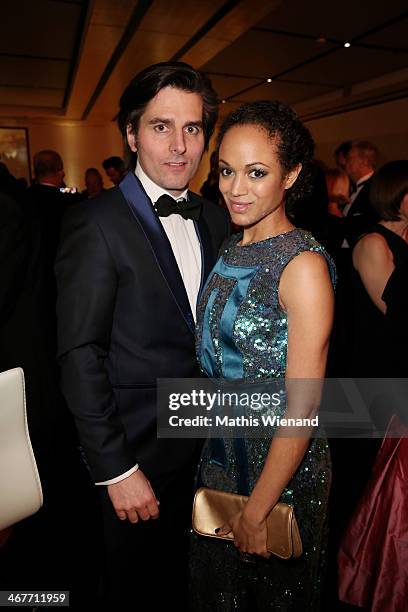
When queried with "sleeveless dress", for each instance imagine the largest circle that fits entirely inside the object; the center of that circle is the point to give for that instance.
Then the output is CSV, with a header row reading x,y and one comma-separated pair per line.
x,y
373,555
242,334
378,350
380,340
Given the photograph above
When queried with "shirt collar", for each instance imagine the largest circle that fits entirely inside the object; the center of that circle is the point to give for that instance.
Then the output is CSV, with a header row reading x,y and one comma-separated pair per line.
x,y
152,190
48,184
363,179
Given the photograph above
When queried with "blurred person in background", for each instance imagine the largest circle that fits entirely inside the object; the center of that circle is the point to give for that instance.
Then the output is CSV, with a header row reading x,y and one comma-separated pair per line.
x,y
209,188
45,206
381,339
53,549
340,154
372,558
361,163
93,182
114,168
338,188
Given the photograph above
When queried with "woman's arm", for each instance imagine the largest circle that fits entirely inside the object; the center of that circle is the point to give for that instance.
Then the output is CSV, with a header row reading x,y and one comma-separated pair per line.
x,y
374,262
306,294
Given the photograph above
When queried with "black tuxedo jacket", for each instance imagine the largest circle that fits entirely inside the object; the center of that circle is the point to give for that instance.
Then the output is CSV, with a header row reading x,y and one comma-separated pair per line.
x,y
360,216
124,320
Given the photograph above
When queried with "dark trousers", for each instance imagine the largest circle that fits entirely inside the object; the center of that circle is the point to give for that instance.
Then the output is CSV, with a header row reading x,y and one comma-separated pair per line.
x,y
149,560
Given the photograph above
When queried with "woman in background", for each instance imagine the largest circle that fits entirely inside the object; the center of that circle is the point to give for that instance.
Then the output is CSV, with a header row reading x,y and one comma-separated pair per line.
x,y
338,189
373,555
265,313
380,334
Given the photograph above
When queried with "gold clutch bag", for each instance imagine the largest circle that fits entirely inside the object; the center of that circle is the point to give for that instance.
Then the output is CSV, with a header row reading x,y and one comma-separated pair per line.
x,y
213,508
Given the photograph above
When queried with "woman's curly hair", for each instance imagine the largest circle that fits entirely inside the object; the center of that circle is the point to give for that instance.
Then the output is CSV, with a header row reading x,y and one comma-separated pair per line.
x,y
293,141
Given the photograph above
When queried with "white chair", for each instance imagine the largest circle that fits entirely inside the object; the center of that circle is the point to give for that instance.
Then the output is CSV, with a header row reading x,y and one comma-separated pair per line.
x,y
20,485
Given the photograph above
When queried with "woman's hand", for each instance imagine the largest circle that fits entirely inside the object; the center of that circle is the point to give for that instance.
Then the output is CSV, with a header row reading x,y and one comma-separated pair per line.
x,y
249,534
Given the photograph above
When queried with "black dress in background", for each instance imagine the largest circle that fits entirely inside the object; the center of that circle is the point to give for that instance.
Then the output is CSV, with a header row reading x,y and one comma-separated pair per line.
x,y
372,558
379,350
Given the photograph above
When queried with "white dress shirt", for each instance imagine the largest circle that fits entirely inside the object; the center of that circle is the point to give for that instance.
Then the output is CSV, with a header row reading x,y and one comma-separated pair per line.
x,y
182,237
187,252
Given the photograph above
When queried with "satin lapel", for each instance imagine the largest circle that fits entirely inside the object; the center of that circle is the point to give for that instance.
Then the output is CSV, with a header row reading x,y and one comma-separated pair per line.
x,y
208,257
360,201
143,212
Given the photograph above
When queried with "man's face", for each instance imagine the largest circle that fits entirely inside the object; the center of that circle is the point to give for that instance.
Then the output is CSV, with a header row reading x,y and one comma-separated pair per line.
x,y
114,175
170,139
355,165
93,182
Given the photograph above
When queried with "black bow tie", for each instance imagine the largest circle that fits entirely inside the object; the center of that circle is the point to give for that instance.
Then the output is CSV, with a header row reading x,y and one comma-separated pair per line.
x,y
166,206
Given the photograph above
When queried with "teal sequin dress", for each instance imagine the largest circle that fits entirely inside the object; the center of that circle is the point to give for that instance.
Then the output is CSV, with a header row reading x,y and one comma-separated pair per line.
x,y
242,334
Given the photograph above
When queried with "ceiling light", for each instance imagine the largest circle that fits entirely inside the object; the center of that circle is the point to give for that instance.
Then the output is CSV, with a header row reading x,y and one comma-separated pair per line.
x,y
269,80
223,101
347,45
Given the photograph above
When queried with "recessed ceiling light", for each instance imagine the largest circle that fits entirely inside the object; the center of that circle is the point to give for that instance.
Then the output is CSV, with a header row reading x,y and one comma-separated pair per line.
x,y
223,101
347,45
269,80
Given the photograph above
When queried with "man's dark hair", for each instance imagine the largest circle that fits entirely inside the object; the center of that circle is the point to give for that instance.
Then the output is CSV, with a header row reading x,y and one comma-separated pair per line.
x,y
47,163
92,171
343,148
113,162
147,84
388,188
293,141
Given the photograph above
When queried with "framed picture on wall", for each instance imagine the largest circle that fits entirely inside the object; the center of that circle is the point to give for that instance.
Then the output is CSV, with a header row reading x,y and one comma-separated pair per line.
x,y
14,151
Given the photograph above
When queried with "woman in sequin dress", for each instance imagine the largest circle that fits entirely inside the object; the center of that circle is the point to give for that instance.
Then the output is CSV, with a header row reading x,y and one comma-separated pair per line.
x,y
266,312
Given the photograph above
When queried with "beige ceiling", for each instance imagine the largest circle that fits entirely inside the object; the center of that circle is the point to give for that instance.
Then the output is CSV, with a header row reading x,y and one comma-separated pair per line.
x,y
71,59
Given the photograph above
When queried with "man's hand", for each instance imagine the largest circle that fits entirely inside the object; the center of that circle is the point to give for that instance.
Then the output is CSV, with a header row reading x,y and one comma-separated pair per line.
x,y
133,498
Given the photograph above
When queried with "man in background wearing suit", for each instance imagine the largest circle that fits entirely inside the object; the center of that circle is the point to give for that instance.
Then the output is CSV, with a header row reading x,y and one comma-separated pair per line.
x,y
114,168
130,267
361,162
55,548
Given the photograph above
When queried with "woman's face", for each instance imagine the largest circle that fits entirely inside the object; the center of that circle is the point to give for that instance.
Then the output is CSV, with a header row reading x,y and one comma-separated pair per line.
x,y
251,177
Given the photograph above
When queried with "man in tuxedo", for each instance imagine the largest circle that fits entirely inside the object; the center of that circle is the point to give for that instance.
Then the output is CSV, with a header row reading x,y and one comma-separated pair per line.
x,y
354,456
361,162
130,267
